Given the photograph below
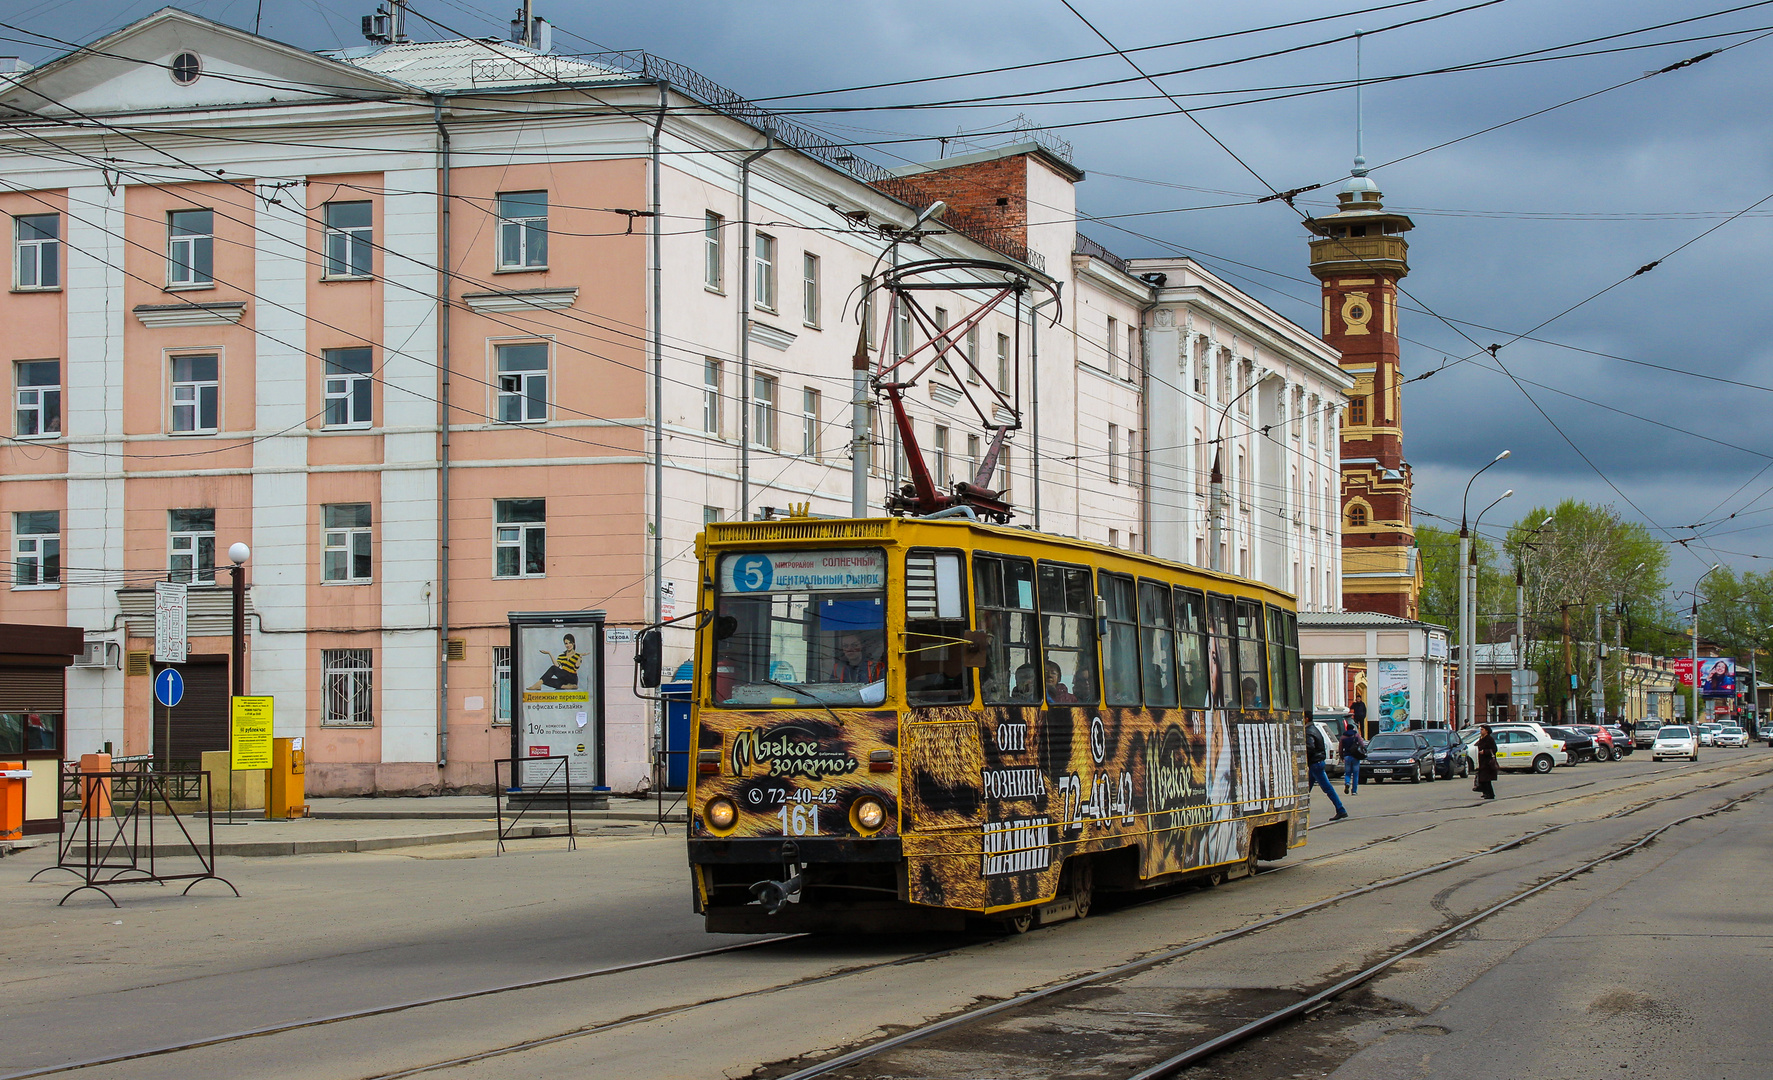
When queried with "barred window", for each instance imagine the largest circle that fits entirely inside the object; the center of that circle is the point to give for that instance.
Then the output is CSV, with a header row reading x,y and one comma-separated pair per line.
x,y
501,684
346,682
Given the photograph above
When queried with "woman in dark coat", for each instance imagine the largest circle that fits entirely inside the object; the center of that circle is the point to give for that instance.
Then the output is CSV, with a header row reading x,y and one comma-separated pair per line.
x,y
1486,770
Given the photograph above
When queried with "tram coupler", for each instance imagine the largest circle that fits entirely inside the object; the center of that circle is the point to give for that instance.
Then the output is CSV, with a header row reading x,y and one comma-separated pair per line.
x,y
776,895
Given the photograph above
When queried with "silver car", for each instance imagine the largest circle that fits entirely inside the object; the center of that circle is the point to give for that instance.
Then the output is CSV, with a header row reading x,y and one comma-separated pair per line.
x,y
1675,740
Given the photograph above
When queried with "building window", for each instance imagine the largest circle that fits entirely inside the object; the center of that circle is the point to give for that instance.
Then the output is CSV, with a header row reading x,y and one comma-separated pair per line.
x,y
902,329
763,410
523,230
36,240
973,354
36,549
38,397
763,265
1132,356
1357,410
1114,538
1132,456
190,254
196,394
939,450
1113,343
191,546
809,419
942,346
501,709
713,251
711,396
520,538
347,387
1357,516
346,685
1003,362
972,459
712,514
346,556
809,288
350,237
523,382
186,68
1114,453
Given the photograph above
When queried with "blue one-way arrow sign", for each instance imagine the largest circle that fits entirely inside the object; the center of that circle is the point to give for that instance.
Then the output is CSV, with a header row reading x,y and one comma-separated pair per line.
x,y
169,687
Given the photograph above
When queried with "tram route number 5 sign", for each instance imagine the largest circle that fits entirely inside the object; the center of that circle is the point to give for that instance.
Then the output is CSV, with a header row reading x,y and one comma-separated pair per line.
x,y
170,624
251,719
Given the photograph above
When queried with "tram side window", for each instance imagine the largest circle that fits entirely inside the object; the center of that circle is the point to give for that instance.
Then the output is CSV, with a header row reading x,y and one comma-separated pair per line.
x,y
1068,634
1003,594
935,625
1191,646
1283,646
1221,656
1252,664
1157,644
1120,650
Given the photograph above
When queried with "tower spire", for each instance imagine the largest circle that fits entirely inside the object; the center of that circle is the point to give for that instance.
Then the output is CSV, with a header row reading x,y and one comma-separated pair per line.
x,y
1360,153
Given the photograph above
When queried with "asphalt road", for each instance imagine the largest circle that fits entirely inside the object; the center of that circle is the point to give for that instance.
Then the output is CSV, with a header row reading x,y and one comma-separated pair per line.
x,y
1661,950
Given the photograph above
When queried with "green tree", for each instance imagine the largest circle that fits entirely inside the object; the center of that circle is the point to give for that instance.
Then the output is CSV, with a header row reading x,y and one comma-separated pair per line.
x,y
1439,602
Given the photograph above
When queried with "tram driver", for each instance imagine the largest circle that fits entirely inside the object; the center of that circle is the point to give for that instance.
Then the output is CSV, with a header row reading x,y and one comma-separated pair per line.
x,y
854,664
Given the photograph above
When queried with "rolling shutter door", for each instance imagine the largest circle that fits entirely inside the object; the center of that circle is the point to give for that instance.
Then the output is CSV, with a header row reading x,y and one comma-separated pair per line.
x,y
32,689
200,722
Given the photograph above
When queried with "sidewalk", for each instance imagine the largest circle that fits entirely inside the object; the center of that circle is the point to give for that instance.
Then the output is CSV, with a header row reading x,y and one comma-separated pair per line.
x,y
378,824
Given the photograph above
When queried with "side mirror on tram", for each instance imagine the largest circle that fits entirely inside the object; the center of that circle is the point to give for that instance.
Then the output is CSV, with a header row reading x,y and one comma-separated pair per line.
x,y
649,658
725,626
977,652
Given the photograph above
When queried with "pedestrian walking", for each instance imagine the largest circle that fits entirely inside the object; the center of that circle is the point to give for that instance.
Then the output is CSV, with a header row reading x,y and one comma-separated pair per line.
x,y
1358,711
1486,770
1315,755
1353,749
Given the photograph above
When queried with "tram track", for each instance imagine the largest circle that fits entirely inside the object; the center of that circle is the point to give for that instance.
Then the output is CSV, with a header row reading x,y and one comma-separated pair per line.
x,y
664,1013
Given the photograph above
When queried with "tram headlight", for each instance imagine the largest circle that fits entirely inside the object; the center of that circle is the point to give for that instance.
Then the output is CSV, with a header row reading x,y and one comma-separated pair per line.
x,y
870,814
720,813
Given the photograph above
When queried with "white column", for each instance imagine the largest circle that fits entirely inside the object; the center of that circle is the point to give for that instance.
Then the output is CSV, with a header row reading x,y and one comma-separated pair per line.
x,y
407,517
279,569
92,525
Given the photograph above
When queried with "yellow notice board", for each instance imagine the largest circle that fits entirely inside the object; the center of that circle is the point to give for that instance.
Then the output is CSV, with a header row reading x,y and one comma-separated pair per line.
x,y
251,718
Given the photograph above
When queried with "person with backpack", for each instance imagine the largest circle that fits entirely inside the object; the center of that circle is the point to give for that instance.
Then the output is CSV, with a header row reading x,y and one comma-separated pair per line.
x,y
1353,749
1316,753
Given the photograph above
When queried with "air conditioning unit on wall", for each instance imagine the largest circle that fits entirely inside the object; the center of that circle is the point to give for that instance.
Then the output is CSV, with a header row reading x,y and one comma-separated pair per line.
x,y
98,654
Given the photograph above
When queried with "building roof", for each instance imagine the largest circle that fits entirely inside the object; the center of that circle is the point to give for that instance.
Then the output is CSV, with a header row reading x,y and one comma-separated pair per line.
x,y
1361,620
474,63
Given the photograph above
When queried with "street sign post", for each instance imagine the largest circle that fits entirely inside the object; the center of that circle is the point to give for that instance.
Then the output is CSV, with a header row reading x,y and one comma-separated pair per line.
x,y
169,687
171,626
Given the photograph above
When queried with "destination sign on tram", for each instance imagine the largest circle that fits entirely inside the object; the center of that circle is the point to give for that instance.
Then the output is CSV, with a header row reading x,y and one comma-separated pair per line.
x,y
860,570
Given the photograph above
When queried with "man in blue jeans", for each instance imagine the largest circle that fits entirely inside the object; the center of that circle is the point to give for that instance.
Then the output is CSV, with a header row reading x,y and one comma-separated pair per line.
x,y
1315,754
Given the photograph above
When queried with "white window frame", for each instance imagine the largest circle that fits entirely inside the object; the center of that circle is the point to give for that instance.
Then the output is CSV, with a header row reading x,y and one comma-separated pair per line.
x,y
714,252
518,385
1114,453
346,247
941,320
973,354
713,396
939,450
712,514
347,679
1003,363
529,230
516,535
189,394
1132,353
809,418
351,542
350,388
809,286
501,683
1113,343
34,401
972,458
763,272
187,252
34,255
190,552
764,389
41,551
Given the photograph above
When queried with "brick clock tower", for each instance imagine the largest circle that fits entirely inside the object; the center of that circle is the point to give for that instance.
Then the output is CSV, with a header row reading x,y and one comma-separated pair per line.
x,y
1359,254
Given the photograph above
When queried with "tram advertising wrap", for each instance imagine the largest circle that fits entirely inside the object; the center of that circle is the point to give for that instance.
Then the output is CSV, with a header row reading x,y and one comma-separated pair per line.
x,y
975,721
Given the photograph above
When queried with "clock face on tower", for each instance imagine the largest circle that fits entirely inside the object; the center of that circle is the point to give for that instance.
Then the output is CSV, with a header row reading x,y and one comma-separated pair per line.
x,y
1356,312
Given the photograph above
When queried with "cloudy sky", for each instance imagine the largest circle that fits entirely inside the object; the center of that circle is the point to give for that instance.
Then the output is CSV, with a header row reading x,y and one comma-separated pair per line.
x,y
1653,396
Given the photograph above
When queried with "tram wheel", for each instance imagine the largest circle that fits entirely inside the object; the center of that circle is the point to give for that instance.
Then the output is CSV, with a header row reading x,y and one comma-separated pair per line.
x,y
1083,887
1018,922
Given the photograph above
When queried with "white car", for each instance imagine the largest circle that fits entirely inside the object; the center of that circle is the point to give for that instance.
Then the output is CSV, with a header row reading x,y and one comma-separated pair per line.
x,y
1527,746
1730,735
1675,740
1708,733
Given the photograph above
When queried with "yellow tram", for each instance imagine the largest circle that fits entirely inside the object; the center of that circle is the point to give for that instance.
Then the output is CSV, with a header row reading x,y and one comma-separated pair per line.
x,y
905,723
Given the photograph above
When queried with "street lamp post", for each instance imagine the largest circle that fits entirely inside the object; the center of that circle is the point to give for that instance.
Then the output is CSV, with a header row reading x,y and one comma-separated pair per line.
x,y
1467,627
238,554
1216,495
1472,570
1693,718
1520,604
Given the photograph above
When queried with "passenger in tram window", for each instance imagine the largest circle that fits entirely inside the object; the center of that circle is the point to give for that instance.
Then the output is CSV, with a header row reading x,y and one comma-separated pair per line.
x,y
853,663
1252,697
1025,689
1057,692
1083,684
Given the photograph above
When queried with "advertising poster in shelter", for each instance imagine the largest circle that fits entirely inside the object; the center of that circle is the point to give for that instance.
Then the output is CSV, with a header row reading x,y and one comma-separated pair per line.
x,y
1393,695
558,684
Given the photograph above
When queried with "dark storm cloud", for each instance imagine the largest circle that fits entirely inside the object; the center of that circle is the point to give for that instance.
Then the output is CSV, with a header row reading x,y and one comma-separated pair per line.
x,y
1691,141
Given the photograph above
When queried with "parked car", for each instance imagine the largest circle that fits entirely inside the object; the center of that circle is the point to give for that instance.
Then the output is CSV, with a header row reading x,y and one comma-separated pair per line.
x,y
1528,746
1707,732
1450,761
1398,755
1643,733
1623,743
1331,729
1675,740
1577,746
1604,749
1730,735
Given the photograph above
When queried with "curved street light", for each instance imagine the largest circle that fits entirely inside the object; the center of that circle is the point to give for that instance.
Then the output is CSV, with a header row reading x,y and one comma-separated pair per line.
x,y
1471,569
1467,621
1693,718
1520,595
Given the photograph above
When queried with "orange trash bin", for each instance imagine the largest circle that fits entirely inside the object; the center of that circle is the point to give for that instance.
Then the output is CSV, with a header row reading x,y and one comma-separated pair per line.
x,y
12,799
95,792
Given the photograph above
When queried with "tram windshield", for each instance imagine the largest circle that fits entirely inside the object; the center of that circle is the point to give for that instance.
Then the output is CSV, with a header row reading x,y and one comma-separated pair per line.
x,y
806,628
